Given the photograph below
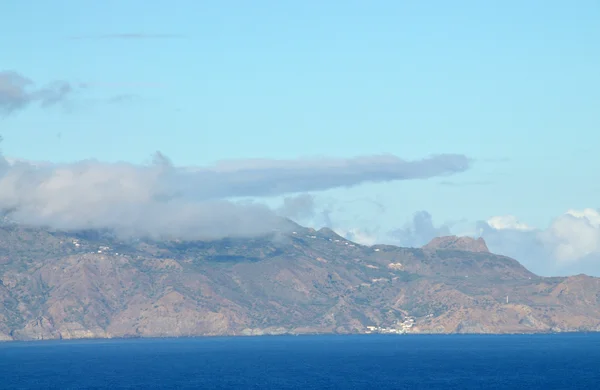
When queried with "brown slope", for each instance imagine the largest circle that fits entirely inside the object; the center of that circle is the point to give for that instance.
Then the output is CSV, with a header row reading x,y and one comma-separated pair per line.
x,y
295,282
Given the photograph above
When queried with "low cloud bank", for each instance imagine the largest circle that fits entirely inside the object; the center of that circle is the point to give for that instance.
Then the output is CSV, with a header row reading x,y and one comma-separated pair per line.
x,y
161,199
569,245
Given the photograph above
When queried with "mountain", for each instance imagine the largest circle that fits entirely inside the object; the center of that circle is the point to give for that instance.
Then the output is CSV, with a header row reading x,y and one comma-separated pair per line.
x,y
56,284
458,243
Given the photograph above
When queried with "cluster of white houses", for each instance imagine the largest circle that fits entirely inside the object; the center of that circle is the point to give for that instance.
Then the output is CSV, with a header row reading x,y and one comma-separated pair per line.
x,y
400,328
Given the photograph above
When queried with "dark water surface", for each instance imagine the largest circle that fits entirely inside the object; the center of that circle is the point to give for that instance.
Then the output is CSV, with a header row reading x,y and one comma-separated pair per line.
x,y
569,361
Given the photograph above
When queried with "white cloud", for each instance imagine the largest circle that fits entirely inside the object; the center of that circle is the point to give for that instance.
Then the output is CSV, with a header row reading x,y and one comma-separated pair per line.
x,y
507,222
569,245
363,237
590,214
574,235
161,199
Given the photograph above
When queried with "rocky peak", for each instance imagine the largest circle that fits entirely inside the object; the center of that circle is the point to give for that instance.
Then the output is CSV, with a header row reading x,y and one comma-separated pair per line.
x,y
468,244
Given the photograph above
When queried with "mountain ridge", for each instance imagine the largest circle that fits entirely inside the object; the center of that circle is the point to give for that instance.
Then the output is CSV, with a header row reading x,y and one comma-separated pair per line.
x,y
464,243
89,284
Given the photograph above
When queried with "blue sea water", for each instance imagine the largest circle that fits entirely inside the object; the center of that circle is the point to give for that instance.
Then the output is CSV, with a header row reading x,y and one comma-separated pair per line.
x,y
567,361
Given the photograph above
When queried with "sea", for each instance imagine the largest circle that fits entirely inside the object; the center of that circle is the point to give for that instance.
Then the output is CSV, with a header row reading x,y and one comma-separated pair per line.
x,y
552,361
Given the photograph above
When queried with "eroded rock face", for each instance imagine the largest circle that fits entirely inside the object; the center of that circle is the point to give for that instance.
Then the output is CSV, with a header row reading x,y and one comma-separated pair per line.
x,y
458,243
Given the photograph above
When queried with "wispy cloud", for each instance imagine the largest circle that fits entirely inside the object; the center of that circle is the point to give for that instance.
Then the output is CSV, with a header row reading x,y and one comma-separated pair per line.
x,y
18,92
161,199
262,177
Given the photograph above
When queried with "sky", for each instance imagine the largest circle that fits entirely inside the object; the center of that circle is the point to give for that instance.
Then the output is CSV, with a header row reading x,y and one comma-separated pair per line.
x,y
389,121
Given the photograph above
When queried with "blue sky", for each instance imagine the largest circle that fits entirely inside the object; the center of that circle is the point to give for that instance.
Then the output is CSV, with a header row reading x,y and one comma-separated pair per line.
x,y
512,85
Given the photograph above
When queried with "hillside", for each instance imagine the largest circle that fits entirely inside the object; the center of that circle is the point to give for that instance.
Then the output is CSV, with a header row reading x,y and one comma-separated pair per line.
x,y
91,284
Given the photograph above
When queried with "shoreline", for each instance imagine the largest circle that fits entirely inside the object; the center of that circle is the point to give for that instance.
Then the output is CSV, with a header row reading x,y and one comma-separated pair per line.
x,y
289,336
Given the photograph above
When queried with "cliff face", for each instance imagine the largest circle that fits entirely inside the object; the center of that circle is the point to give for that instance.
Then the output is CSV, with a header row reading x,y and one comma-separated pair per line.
x,y
58,285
